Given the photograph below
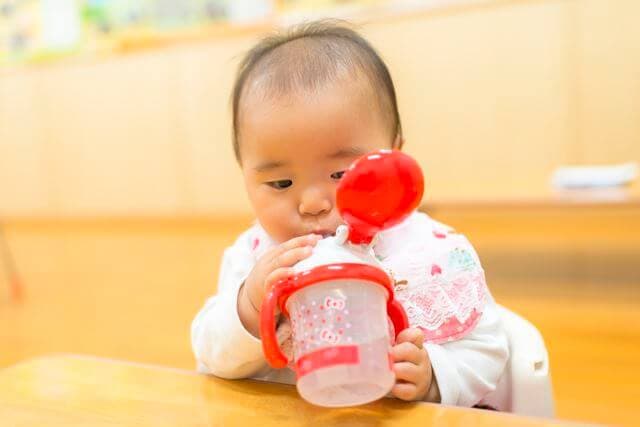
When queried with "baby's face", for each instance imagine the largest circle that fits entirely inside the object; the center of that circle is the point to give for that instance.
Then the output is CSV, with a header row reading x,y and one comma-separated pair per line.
x,y
295,149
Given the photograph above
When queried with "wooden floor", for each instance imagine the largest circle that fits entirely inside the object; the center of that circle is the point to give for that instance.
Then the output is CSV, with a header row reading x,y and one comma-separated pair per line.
x,y
129,290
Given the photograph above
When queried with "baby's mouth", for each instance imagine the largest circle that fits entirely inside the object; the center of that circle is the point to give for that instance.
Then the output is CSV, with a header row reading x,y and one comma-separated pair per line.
x,y
324,233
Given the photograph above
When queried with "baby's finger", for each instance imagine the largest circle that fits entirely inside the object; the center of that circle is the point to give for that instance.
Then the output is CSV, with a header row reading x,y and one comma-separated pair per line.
x,y
407,371
413,335
291,257
405,391
408,352
301,241
306,240
277,275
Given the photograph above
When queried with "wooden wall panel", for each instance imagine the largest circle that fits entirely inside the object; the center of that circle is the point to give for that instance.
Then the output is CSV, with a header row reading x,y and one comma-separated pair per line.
x,y
204,78
23,151
492,96
608,42
483,96
113,128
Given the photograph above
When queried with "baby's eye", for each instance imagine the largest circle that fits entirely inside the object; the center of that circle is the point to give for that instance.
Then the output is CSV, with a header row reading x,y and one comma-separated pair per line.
x,y
337,175
280,184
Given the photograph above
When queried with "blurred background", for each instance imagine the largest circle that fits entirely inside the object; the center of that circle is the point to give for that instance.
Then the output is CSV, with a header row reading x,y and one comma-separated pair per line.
x,y
119,190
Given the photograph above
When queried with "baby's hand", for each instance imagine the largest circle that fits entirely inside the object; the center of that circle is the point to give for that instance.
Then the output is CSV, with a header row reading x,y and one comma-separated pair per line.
x,y
285,339
411,366
276,264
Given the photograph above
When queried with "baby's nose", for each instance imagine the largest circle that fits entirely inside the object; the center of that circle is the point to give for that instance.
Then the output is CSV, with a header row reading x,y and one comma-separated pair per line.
x,y
314,202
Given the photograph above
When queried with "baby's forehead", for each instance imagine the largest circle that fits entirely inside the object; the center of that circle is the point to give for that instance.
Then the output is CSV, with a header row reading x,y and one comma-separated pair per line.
x,y
264,90
346,103
282,75
309,127
350,90
308,64
337,101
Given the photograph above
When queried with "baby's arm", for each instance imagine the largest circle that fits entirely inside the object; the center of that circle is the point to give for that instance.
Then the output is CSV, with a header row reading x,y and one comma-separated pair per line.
x,y
467,369
225,334
221,344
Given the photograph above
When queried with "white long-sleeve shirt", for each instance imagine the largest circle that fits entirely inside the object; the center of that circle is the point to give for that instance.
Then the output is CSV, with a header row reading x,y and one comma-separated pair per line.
x,y
439,281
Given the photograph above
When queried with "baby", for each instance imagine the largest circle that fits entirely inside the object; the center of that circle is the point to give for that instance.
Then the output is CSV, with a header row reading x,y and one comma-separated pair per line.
x,y
307,103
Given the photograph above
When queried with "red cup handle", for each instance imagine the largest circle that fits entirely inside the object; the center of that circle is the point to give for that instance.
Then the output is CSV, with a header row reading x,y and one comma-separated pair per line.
x,y
398,316
272,352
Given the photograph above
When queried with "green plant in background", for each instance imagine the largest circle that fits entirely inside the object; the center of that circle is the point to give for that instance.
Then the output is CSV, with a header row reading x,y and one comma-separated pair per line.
x,y
94,13
18,29
111,16
35,30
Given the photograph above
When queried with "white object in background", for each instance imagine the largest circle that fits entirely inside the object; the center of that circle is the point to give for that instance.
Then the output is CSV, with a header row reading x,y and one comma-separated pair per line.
x,y
595,176
249,11
60,24
525,387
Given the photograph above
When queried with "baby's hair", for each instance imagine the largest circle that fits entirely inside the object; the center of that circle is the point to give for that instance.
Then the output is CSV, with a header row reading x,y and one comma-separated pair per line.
x,y
308,56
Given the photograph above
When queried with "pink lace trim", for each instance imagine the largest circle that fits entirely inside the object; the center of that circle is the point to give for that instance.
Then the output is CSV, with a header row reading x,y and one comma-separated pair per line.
x,y
445,310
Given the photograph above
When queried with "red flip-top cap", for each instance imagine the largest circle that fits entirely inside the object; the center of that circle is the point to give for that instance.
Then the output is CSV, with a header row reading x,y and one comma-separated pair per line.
x,y
378,191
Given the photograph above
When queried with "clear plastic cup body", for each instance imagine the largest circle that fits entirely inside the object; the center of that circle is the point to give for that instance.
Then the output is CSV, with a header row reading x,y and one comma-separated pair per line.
x,y
341,342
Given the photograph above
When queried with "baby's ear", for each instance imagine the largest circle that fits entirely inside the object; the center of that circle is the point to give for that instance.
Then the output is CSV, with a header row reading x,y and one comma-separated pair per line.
x,y
398,142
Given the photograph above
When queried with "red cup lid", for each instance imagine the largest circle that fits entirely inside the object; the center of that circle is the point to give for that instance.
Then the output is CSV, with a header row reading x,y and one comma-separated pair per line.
x,y
378,191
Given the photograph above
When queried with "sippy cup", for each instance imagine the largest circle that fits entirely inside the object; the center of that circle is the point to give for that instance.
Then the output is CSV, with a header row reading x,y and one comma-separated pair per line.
x,y
340,299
